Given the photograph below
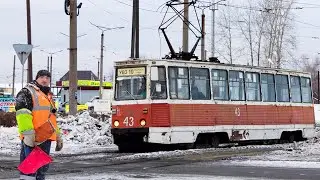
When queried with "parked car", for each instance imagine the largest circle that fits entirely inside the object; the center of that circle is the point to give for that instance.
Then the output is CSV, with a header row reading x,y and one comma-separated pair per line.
x,y
90,103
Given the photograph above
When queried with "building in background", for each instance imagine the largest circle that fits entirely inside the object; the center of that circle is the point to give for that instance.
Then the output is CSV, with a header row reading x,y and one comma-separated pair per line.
x,y
88,88
7,102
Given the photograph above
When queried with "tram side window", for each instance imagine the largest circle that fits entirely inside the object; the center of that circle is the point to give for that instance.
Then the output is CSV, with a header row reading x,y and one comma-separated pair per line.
x,y
252,86
282,86
220,84
159,87
179,83
236,85
200,83
295,89
306,90
267,88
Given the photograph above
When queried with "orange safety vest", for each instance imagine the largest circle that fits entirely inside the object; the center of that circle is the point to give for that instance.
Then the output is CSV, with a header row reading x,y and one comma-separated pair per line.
x,y
44,121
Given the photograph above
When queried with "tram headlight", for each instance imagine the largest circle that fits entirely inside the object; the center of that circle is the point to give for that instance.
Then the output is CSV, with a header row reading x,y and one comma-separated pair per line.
x,y
116,123
143,122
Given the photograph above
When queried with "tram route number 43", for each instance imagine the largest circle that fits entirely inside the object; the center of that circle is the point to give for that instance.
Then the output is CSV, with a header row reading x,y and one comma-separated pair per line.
x,y
128,121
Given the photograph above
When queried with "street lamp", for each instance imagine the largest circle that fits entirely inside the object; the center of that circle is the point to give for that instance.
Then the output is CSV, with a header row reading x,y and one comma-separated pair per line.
x,y
103,29
51,53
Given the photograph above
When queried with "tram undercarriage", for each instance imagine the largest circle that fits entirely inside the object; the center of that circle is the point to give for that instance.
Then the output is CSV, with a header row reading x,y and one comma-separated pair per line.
x,y
138,140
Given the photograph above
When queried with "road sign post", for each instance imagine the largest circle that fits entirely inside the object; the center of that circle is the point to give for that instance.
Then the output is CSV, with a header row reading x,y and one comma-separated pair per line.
x,y
23,51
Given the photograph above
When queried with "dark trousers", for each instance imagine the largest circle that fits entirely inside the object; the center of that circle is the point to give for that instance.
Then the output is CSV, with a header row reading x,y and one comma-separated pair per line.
x,y
25,151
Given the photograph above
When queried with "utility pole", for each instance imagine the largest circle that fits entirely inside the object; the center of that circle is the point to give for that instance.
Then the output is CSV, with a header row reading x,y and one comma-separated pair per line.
x,y
48,64
14,74
98,69
213,33
22,76
318,87
135,30
185,35
103,29
73,79
51,71
29,77
213,29
101,65
203,36
133,33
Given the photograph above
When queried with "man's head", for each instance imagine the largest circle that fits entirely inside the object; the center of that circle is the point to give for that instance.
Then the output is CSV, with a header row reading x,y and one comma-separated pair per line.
x,y
43,78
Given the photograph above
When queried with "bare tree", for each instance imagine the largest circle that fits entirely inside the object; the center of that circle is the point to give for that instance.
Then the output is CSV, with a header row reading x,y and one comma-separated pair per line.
x,y
245,23
109,75
278,24
226,31
228,47
266,27
312,66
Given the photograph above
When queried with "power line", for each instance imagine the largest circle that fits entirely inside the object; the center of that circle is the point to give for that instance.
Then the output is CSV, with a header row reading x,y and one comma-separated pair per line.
x,y
108,12
113,15
268,11
132,6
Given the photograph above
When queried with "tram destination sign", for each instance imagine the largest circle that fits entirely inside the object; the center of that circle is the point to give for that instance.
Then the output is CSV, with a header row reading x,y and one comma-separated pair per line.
x,y
137,71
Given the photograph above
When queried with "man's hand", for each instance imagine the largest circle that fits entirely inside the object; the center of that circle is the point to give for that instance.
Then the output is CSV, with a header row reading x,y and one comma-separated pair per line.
x,y
59,142
29,140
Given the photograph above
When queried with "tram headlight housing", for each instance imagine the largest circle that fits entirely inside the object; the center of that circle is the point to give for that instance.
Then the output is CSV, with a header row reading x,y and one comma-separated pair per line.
x,y
145,111
114,111
143,122
116,123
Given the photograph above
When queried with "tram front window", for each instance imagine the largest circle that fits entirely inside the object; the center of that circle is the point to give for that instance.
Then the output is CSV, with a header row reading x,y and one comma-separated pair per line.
x,y
131,83
130,88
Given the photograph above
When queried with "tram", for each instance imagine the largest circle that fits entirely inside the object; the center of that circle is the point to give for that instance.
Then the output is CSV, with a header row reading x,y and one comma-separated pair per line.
x,y
208,103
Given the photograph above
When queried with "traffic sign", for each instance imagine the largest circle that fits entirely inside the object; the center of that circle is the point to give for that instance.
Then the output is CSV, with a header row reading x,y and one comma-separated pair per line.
x,y
23,51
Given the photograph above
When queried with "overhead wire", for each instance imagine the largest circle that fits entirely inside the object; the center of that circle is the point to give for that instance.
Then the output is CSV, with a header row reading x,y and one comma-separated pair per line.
x,y
268,11
144,9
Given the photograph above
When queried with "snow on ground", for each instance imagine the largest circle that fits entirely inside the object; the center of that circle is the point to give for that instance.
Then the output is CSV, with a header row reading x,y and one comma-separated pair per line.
x,y
304,154
9,140
121,176
82,134
86,130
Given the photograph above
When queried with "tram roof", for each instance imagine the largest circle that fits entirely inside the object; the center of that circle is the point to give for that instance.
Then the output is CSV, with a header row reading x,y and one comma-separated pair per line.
x,y
132,62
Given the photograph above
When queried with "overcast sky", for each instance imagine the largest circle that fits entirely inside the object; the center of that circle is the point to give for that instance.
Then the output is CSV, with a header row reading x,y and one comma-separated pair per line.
x,y
49,19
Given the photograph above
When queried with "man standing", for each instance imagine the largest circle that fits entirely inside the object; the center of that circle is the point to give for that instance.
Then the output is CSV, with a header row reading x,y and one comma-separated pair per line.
x,y
36,119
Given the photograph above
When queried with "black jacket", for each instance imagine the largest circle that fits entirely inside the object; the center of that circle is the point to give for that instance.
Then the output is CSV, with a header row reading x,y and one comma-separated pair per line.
x,y
24,97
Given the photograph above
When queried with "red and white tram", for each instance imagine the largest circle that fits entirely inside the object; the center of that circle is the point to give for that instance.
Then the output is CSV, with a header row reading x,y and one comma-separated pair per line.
x,y
192,102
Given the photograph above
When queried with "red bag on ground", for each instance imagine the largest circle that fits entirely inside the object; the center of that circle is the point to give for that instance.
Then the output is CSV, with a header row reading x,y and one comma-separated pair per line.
x,y
35,160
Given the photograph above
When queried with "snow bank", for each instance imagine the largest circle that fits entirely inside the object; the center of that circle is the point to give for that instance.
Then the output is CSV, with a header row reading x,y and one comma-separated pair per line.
x,y
82,134
9,140
300,151
304,154
86,130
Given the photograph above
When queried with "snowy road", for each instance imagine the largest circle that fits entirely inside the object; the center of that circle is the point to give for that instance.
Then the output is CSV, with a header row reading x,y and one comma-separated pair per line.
x,y
190,164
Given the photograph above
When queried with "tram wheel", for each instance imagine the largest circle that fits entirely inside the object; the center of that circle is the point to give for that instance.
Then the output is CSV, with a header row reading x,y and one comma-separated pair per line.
x,y
215,141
